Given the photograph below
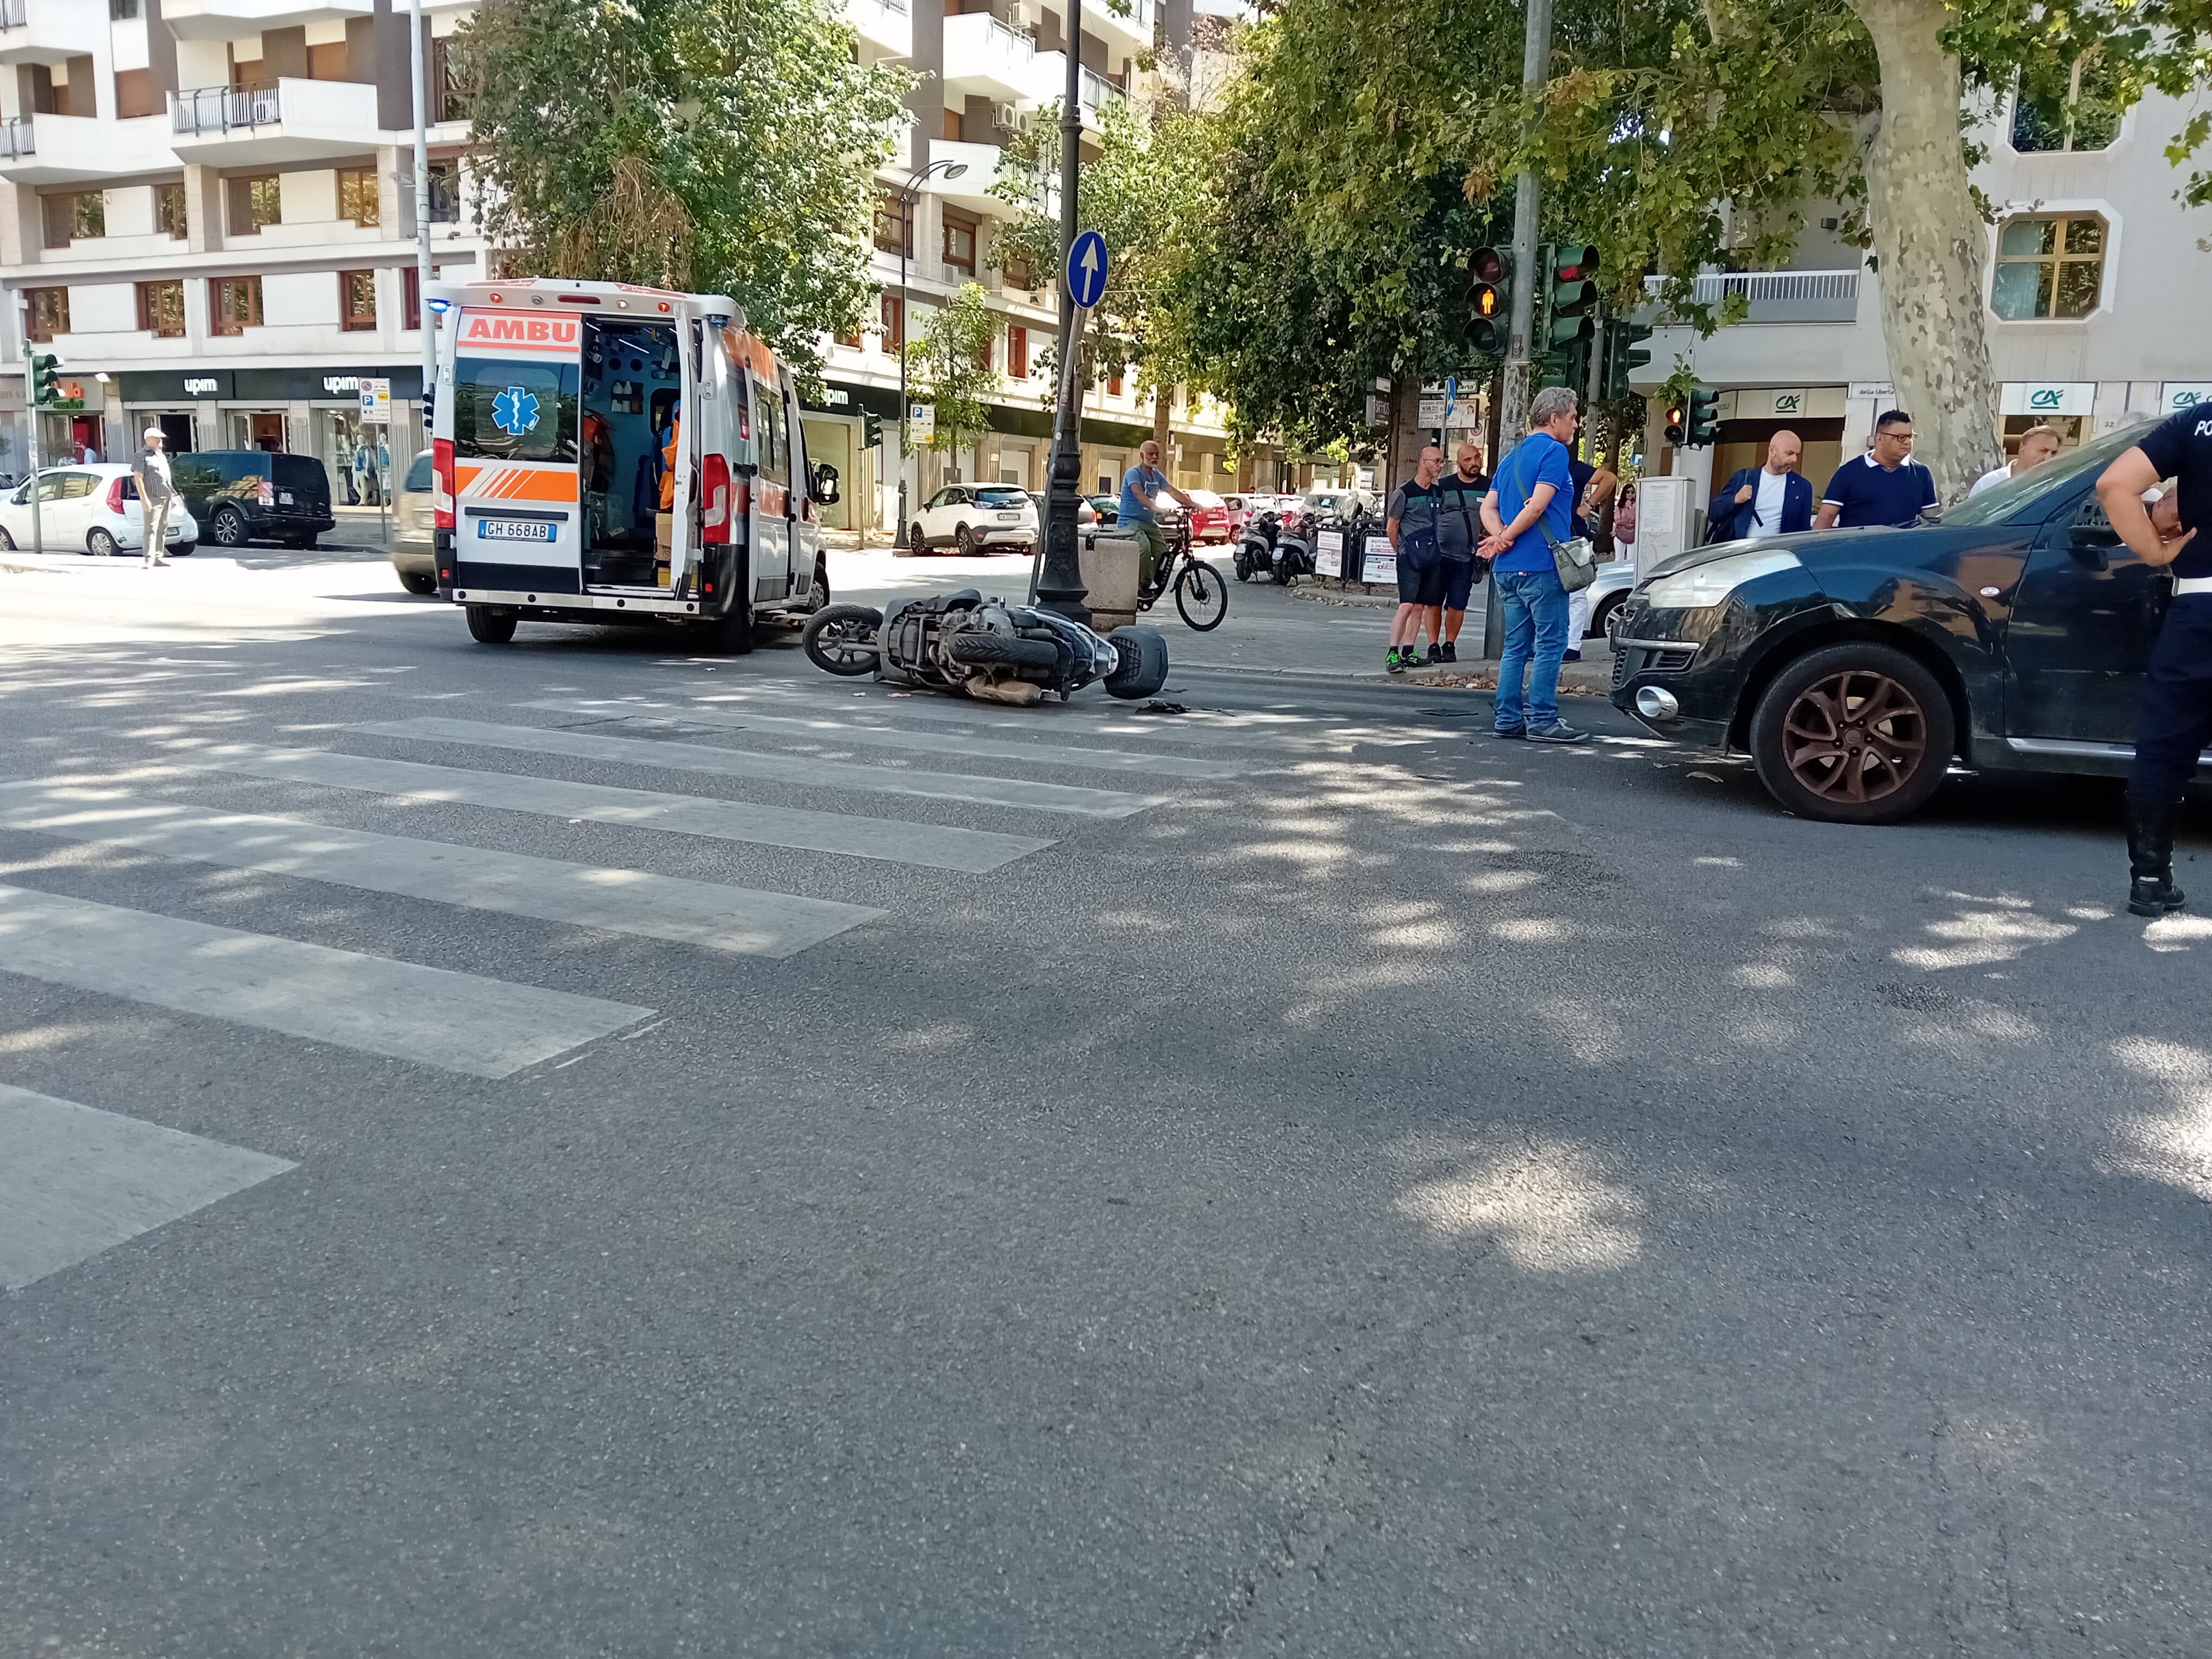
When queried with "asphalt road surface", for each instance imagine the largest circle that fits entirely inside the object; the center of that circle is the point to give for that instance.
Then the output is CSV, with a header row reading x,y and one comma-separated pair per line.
x,y
582,1149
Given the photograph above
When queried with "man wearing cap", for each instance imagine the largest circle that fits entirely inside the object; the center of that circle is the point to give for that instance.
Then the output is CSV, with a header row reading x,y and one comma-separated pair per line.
x,y
150,468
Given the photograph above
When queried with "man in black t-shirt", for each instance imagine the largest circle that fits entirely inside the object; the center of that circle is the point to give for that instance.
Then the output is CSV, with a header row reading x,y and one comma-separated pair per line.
x,y
1459,533
2173,720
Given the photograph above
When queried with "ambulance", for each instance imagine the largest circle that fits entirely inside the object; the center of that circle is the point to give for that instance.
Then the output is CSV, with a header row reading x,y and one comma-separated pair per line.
x,y
609,454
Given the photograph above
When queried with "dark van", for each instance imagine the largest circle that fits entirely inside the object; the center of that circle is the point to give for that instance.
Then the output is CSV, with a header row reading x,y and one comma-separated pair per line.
x,y
242,495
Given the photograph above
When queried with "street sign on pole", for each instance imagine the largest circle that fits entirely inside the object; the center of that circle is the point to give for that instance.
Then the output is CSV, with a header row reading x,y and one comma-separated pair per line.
x,y
1086,269
921,422
376,402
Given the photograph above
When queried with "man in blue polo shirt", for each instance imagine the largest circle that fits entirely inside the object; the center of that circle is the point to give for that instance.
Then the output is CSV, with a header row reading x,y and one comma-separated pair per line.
x,y
1885,485
1530,506
2173,720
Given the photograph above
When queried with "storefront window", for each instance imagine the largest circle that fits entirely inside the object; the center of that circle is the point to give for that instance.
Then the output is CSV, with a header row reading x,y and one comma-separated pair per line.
x,y
356,454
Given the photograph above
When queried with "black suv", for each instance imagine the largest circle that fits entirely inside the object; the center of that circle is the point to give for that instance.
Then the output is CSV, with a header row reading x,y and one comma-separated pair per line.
x,y
242,495
1856,668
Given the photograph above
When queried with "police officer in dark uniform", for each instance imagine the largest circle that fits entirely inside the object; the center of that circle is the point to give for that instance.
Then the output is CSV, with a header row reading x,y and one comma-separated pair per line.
x,y
2174,721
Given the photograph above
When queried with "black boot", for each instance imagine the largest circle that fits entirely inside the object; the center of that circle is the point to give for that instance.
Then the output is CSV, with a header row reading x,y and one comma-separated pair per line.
x,y
2150,858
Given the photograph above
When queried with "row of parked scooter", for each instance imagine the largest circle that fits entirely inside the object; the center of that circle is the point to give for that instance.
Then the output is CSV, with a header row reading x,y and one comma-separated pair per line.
x,y
1284,546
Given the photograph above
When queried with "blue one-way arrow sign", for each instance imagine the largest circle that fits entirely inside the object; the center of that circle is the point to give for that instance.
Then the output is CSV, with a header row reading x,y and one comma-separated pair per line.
x,y
1086,269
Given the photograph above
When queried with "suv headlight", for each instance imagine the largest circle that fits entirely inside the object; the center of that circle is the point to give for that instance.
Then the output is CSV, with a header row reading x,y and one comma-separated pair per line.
x,y
1708,584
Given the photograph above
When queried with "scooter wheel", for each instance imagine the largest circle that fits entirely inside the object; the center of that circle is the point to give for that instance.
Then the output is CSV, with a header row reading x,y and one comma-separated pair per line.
x,y
842,639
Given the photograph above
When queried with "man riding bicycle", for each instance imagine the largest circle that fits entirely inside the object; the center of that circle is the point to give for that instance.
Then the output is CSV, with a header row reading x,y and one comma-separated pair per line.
x,y
1141,489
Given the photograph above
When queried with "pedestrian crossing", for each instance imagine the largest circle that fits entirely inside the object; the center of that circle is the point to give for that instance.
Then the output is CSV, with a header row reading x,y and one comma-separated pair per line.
x,y
945,795
76,1181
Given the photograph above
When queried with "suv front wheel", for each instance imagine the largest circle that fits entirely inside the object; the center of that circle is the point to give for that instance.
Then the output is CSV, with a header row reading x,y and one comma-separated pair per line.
x,y
228,527
1853,733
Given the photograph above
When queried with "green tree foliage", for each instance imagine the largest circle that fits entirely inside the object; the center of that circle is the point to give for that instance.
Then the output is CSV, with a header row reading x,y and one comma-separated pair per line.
x,y
715,146
1144,190
1674,133
948,363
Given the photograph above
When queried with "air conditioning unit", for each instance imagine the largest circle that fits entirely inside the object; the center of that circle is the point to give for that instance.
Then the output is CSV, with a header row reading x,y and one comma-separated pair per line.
x,y
1007,119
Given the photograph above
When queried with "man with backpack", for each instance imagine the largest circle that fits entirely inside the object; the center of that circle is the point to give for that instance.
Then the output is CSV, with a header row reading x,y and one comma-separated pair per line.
x,y
1774,499
1459,534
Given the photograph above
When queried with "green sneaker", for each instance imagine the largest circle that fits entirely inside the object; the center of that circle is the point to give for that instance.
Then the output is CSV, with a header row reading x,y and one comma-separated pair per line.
x,y
1396,662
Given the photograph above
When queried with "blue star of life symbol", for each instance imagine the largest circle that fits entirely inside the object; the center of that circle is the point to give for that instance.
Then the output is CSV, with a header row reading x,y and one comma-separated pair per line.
x,y
516,411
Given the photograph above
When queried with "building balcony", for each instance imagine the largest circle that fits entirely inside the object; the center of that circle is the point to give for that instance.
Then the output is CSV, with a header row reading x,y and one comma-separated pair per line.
x,y
986,58
56,149
226,20
886,24
293,120
1133,32
1048,84
50,31
972,189
1779,297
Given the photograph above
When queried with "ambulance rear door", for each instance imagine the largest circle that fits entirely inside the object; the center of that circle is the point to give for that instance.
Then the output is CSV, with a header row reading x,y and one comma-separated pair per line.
x,y
772,498
518,525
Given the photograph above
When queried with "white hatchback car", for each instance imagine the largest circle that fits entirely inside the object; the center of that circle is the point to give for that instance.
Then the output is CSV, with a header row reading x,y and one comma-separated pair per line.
x,y
976,518
90,509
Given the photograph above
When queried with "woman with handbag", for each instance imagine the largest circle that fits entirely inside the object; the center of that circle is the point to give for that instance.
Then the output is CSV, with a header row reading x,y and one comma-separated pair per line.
x,y
1535,559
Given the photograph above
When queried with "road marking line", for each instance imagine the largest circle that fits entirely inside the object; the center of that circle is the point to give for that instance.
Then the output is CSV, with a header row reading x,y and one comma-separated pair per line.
x,y
829,729
76,1181
744,921
939,847
800,769
432,1016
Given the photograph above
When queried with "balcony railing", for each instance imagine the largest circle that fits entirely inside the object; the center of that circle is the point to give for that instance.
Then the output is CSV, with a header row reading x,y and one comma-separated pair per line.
x,y
1778,296
225,109
15,13
20,140
1099,92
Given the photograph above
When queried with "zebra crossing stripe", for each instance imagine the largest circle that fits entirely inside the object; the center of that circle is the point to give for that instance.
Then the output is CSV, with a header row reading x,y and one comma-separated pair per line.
x,y
744,921
800,769
938,847
972,746
458,1022
76,1181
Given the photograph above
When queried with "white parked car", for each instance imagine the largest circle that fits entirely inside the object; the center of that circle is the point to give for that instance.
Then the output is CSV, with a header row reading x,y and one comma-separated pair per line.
x,y
1608,591
976,518
90,509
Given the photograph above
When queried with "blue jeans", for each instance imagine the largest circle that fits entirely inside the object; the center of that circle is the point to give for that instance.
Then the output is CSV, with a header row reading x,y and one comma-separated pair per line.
x,y
1535,607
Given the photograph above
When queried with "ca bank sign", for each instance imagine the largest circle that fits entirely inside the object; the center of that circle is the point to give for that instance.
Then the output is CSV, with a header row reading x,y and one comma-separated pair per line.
x,y
2048,398
2176,395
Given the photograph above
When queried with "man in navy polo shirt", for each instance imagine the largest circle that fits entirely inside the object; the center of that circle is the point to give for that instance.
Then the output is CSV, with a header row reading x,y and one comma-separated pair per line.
x,y
2174,721
1885,485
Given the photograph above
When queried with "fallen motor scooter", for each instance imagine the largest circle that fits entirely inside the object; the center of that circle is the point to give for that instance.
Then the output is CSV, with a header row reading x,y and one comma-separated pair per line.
x,y
963,642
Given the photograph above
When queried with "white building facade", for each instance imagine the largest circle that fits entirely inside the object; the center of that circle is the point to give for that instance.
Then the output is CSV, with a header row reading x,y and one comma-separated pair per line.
x,y
2093,272
210,218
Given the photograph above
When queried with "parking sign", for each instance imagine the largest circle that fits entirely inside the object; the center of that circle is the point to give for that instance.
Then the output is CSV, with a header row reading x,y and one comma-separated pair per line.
x,y
376,402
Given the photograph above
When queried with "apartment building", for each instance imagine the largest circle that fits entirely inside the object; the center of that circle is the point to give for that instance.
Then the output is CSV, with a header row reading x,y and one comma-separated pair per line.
x,y
988,67
208,215
2092,269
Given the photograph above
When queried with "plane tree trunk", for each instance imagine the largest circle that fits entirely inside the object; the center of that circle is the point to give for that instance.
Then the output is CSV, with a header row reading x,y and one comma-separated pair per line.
x,y
1929,242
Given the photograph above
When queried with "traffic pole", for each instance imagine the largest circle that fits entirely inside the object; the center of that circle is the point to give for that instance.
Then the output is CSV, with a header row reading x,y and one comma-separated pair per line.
x,y
1060,584
1513,413
423,314
31,415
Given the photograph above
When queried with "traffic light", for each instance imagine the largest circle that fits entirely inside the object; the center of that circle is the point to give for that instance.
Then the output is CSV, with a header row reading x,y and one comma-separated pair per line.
x,y
1625,353
1489,299
1570,311
872,429
1678,430
45,378
1705,417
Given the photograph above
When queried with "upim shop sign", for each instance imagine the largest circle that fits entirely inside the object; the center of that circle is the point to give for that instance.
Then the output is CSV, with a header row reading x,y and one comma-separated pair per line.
x,y
503,332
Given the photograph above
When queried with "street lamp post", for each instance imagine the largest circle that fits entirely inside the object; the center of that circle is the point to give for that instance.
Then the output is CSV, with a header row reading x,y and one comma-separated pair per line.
x,y
950,170
1059,580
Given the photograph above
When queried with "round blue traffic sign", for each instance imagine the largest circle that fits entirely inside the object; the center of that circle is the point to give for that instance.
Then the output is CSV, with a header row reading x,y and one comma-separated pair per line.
x,y
1086,269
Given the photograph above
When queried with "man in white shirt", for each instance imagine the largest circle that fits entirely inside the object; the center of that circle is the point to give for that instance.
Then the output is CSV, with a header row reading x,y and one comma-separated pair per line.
x,y
1773,500
2037,445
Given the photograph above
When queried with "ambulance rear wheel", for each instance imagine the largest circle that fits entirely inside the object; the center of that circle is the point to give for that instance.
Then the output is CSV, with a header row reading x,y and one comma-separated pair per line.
x,y
489,626
733,636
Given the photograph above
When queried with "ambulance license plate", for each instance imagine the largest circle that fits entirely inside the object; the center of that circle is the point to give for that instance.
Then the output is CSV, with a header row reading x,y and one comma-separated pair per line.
x,y
514,529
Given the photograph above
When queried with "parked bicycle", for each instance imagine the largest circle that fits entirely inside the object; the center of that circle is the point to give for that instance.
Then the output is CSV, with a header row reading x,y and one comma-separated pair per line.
x,y
1201,593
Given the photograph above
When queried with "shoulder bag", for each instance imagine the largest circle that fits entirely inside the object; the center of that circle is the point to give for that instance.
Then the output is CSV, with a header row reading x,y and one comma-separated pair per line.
x,y
1576,560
